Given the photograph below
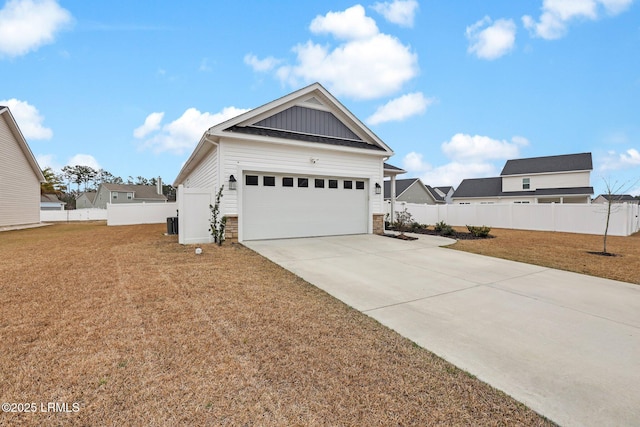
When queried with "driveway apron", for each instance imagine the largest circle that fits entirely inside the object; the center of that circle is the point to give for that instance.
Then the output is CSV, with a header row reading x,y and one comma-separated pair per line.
x,y
565,344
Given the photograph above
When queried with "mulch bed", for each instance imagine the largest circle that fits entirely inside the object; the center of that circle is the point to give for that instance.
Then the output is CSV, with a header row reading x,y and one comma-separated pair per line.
x,y
457,235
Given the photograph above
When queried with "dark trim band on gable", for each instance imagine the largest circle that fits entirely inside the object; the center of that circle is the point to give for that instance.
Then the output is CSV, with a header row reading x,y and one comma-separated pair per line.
x,y
273,133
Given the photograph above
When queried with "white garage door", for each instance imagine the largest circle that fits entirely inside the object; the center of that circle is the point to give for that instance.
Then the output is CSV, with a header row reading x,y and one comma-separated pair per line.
x,y
278,206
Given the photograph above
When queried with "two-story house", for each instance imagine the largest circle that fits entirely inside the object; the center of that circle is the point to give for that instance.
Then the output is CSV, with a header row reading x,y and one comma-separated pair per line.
x,y
121,193
550,179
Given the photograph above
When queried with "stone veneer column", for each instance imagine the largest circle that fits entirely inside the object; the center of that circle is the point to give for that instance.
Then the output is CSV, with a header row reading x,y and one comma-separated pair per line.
x,y
378,223
231,228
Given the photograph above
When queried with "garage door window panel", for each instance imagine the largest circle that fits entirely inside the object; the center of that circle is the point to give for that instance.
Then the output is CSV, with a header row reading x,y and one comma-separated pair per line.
x,y
348,185
359,185
303,182
269,181
319,183
251,180
287,182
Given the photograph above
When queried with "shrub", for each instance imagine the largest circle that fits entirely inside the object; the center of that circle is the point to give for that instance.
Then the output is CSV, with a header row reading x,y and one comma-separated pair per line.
x,y
479,231
443,228
403,219
416,226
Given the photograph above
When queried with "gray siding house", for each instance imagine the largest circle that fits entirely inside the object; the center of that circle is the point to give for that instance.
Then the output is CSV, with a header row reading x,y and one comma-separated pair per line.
x,y
20,175
121,193
413,190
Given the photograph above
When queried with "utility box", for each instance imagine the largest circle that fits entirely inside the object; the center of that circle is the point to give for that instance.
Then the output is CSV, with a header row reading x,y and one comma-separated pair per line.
x,y
172,225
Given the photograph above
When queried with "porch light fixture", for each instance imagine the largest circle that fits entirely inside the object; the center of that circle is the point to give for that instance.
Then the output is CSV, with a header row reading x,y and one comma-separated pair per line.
x,y
378,188
232,182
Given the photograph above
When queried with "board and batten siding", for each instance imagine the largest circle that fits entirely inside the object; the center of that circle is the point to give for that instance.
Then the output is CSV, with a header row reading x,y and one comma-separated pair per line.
x,y
205,174
20,195
281,158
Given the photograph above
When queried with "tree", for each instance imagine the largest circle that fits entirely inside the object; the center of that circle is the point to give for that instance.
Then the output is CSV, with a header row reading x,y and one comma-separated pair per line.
x,y
612,194
53,184
79,174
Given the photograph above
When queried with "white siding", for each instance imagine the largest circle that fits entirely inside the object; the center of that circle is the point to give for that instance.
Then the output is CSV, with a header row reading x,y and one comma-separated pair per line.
x,y
20,195
258,156
205,174
550,180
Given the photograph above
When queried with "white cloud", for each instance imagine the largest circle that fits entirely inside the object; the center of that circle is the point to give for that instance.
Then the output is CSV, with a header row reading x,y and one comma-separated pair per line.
x,y
84,160
491,40
350,24
479,148
470,157
183,133
401,12
28,118
25,25
448,174
557,14
363,63
151,123
363,69
619,161
48,161
401,108
261,65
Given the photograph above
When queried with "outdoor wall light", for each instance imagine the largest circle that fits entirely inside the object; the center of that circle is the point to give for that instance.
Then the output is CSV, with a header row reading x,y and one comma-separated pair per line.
x,y
232,182
378,188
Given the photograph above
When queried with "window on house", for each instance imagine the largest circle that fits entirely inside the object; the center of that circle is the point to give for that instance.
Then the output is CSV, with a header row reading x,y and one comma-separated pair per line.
x,y
269,181
359,185
303,182
319,183
251,180
287,182
333,183
114,195
526,183
129,196
348,185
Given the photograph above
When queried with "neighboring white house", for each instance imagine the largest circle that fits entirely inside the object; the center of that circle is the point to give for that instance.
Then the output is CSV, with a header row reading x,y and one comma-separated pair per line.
x,y
302,165
120,193
551,179
50,202
413,190
20,175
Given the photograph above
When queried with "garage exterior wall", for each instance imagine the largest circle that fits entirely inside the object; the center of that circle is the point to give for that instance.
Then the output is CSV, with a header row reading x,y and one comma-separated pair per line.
x,y
205,174
20,195
240,156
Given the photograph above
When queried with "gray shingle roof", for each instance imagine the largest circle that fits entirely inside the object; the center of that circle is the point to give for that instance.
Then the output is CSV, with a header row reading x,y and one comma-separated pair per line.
x,y
146,192
275,133
401,186
563,163
479,187
619,197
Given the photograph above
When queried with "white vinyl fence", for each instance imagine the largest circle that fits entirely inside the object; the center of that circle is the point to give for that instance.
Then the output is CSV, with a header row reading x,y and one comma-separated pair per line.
x,y
140,213
74,215
571,218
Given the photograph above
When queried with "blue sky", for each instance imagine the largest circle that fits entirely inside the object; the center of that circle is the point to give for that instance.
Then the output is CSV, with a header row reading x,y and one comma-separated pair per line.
x,y
455,88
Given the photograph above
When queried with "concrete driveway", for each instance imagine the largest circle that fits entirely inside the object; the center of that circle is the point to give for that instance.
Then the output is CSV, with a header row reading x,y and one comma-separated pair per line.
x,y
567,345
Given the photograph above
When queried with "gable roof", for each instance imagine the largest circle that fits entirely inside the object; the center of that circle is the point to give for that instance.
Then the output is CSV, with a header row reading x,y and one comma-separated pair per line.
x,y
547,164
90,195
444,190
619,198
50,198
434,193
403,185
310,115
143,192
22,142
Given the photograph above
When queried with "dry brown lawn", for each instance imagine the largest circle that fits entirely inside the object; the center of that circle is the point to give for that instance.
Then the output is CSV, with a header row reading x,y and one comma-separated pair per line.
x,y
565,251
138,330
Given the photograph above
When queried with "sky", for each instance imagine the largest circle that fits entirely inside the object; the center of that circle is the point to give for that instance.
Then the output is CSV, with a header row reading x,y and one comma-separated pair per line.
x,y
455,88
